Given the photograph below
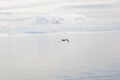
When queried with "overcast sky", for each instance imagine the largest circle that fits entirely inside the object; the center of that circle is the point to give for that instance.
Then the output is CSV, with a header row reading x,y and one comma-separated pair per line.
x,y
59,15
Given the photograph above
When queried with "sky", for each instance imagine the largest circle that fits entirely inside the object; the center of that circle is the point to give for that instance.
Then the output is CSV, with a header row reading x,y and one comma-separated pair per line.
x,y
59,15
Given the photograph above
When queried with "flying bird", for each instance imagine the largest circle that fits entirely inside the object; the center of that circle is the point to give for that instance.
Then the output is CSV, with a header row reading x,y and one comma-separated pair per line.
x,y
65,40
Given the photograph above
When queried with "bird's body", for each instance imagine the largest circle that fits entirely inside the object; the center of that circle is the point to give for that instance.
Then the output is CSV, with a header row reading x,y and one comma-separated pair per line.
x,y
65,40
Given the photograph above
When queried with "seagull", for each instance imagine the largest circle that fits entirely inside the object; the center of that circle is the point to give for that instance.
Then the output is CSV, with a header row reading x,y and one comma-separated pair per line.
x,y
65,40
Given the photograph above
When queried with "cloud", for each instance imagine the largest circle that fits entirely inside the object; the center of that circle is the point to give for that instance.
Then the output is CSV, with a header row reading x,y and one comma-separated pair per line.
x,y
87,6
46,20
57,14
43,21
96,4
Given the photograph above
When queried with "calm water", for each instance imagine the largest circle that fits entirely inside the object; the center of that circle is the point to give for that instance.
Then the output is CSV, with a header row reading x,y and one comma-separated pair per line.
x,y
88,56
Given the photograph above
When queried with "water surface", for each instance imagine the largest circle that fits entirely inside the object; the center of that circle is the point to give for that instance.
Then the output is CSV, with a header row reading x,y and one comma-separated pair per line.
x,y
88,56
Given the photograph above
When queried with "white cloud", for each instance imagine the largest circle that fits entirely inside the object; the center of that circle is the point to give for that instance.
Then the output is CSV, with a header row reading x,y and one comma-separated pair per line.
x,y
56,14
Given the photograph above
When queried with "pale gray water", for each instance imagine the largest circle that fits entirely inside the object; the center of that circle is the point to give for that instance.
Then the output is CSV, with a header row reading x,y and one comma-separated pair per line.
x,y
88,56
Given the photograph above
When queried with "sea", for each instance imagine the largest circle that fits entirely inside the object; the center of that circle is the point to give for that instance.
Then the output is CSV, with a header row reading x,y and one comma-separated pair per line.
x,y
45,56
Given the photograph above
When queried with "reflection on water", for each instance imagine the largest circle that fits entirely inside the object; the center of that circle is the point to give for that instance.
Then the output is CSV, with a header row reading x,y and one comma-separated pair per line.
x,y
88,56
